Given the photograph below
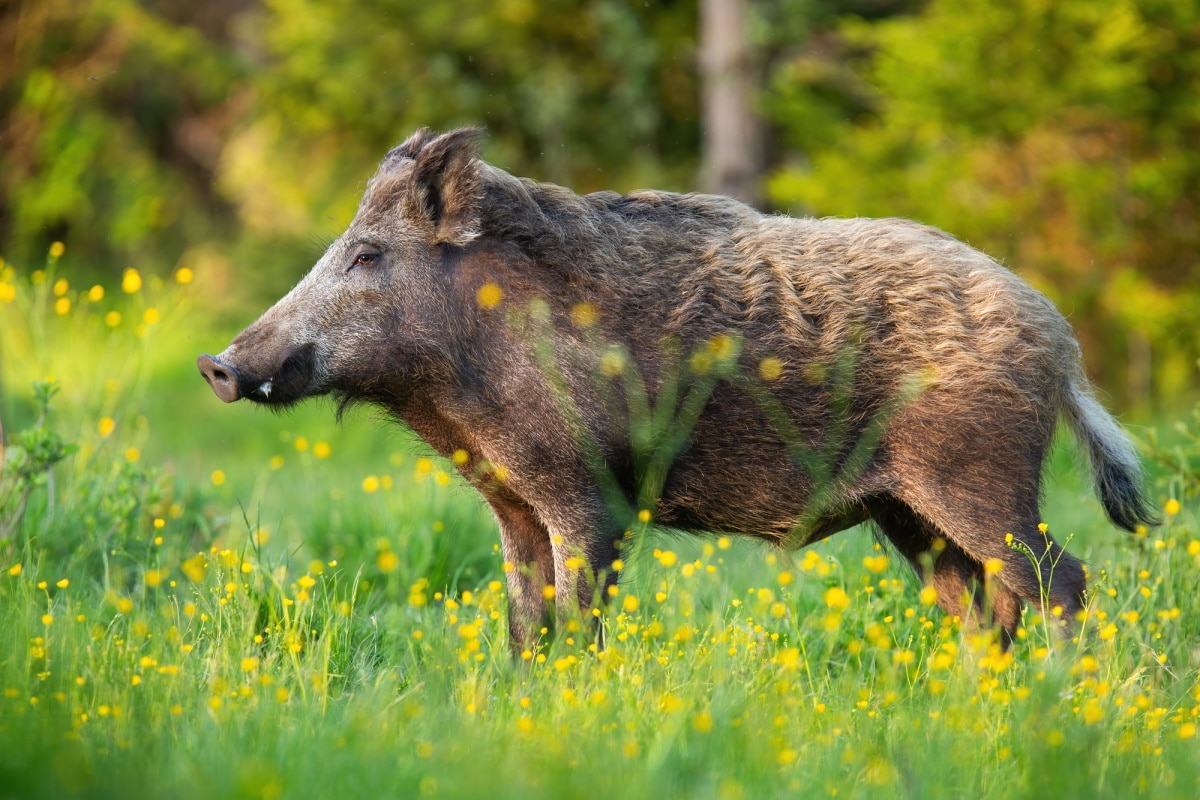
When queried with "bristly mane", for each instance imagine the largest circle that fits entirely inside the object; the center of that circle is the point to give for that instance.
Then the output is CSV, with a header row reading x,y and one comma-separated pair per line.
x,y
606,235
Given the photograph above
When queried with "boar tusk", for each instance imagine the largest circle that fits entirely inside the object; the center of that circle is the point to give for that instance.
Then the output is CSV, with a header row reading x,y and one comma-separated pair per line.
x,y
265,389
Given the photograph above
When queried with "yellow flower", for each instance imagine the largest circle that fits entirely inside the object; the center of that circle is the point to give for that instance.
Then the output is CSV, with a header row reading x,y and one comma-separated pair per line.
x,y
789,658
106,426
670,703
770,368
993,566
62,306
47,619
249,664
184,276
929,595
132,454
96,293
60,287
64,583
489,295
195,568
836,598
370,484
612,363
876,564
153,577
548,591
131,281
112,319
630,604
57,249
583,315
388,561
1172,507
15,570
321,449
150,316
218,477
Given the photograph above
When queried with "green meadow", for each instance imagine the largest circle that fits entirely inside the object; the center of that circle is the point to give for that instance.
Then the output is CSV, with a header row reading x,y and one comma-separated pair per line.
x,y
208,601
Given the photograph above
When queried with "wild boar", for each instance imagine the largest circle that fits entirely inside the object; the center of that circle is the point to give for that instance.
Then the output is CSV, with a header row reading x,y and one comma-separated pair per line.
x,y
588,359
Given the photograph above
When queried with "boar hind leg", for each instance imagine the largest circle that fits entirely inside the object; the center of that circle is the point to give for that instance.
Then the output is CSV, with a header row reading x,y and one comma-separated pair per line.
x,y
978,517
959,580
530,558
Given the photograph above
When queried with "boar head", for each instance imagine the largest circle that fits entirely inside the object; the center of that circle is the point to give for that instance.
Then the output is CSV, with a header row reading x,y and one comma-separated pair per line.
x,y
371,316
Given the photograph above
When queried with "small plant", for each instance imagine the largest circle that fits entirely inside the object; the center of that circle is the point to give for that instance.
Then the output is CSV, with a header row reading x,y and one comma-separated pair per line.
x,y
28,463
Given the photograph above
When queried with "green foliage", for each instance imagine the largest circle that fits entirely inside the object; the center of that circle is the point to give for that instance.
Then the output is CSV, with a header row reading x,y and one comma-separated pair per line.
x,y
1181,459
607,101
104,114
28,463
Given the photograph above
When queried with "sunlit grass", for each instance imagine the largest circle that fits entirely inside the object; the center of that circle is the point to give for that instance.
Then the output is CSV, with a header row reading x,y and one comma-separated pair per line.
x,y
301,610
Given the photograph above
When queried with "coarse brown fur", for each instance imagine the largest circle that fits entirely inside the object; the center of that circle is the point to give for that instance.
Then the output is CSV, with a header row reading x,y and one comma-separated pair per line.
x,y
847,370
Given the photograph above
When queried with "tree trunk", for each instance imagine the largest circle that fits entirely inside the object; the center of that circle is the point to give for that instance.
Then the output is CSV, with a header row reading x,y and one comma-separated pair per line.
x,y
733,133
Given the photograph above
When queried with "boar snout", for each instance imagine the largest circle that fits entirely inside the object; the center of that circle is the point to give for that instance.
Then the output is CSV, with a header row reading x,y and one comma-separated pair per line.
x,y
223,378
266,377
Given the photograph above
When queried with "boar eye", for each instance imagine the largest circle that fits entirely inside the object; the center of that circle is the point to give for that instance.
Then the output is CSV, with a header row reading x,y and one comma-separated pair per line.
x,y
363,259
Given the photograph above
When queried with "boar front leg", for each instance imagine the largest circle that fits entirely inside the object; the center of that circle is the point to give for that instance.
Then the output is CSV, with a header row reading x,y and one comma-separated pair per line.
x,y
529,566
586,545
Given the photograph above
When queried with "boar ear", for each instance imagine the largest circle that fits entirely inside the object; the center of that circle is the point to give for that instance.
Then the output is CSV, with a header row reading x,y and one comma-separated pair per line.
x,y
406,151
446,187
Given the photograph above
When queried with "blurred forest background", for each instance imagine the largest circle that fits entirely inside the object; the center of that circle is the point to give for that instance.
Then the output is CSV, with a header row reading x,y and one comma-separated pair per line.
x,y
232,137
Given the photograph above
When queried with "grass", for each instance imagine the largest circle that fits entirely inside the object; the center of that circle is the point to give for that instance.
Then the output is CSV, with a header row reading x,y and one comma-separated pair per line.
x,y
202,601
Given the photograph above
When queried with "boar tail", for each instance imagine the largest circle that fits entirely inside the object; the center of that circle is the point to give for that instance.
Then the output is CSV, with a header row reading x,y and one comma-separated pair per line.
x,y
1116,469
